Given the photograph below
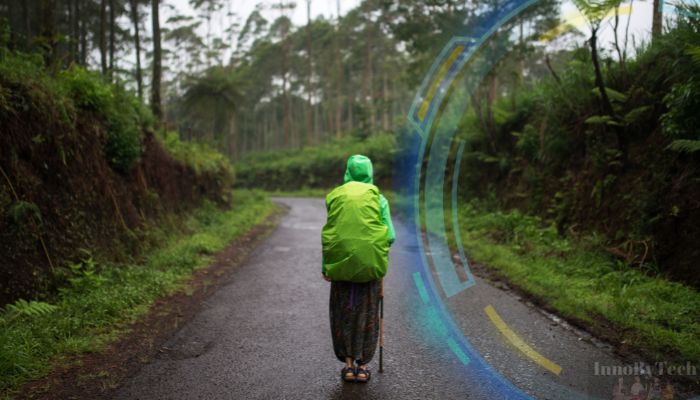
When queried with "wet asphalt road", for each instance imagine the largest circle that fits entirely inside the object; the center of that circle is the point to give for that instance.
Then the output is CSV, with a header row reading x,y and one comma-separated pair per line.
x,y
265,335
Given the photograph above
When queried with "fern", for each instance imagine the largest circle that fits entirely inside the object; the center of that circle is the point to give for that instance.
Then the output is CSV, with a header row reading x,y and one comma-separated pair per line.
x,y
684,146
694,53
22,211
613,94
28,308
601,120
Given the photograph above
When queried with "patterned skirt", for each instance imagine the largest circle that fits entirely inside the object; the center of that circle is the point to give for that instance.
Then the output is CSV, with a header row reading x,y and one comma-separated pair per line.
x,y
354,312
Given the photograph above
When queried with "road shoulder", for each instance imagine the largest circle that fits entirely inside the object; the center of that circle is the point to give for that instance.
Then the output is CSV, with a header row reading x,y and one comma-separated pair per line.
x,y
98,375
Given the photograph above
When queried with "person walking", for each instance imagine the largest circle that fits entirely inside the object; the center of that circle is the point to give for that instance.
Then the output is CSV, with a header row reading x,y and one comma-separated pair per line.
x,y
356,240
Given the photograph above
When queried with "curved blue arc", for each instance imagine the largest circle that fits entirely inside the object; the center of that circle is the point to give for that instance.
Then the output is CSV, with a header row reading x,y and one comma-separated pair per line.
x,y
443,325
455,218
443,125
439,150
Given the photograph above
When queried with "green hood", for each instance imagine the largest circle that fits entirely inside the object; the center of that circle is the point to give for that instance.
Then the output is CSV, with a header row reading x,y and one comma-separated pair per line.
x,y
359,169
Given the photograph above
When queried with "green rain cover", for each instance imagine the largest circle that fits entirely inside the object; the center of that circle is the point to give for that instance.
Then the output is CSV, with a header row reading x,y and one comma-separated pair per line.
x,y
355,245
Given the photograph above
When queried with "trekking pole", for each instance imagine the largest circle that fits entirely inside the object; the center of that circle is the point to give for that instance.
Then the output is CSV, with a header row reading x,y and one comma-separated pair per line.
x,y
381,327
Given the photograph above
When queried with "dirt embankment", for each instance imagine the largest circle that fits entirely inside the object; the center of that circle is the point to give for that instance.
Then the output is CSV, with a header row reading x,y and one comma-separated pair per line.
x,y
59,192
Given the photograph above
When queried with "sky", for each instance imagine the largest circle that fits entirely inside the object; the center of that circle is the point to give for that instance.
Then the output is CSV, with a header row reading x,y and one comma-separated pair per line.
x,y
238,10
640,24
243,8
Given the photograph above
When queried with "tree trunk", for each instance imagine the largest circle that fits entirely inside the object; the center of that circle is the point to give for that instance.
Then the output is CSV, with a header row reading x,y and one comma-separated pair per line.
x,y
490,99
83,41
112,34
606,106
75,41
155,85
351,103
26,17
369,77
285,100
385,101
71,16
338,75
657,19
620,57
627,31
103,37
12,19
137,45
48,30
309,106
232,137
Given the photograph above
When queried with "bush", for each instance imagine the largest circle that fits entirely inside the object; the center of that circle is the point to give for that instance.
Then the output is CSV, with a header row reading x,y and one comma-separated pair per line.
x,y
123,115
316,167
200,156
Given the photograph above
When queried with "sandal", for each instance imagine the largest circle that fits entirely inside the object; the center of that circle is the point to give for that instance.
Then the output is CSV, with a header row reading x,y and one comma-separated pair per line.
x,y
348,374
364,371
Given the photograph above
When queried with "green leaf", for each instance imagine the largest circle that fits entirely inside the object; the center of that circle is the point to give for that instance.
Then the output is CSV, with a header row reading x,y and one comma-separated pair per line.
x,y
613,94
602,120
694,53
635,114
684,146
30,308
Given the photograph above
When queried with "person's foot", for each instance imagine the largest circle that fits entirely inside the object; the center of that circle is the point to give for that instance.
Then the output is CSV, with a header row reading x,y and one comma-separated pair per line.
x,y
362,374
348,374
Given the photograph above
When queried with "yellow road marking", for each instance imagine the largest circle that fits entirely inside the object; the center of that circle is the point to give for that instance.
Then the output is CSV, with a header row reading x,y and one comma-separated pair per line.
x,y
438,78
519,343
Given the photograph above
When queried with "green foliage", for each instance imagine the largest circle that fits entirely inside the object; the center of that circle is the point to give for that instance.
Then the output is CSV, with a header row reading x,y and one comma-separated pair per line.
x,y
28,308
123,115
26,83
198,155
578,280
315,167
87,89
210,102
683,102
99,302
636,114
685,146
21,212
602,120
561,159
527,142
596,10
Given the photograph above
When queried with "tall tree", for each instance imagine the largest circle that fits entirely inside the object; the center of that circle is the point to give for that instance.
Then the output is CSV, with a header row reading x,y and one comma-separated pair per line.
x,y
103,36
657,19
83,37
595,11
75,35
48,30
338,75
281,29
309,78
112,37
137,45
156,105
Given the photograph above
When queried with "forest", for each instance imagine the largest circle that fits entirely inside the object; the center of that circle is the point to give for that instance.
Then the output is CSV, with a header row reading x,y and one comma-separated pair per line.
x,y
139,137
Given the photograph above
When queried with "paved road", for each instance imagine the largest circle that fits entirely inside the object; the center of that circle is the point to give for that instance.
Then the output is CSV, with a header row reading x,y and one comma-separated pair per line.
x,y
265,335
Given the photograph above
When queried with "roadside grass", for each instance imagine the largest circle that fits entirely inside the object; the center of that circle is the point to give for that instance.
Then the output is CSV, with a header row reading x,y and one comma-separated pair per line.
x,y
100,301
659,318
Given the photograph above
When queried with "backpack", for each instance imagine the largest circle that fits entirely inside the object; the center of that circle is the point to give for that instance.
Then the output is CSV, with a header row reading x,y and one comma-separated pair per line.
x,y
354,238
